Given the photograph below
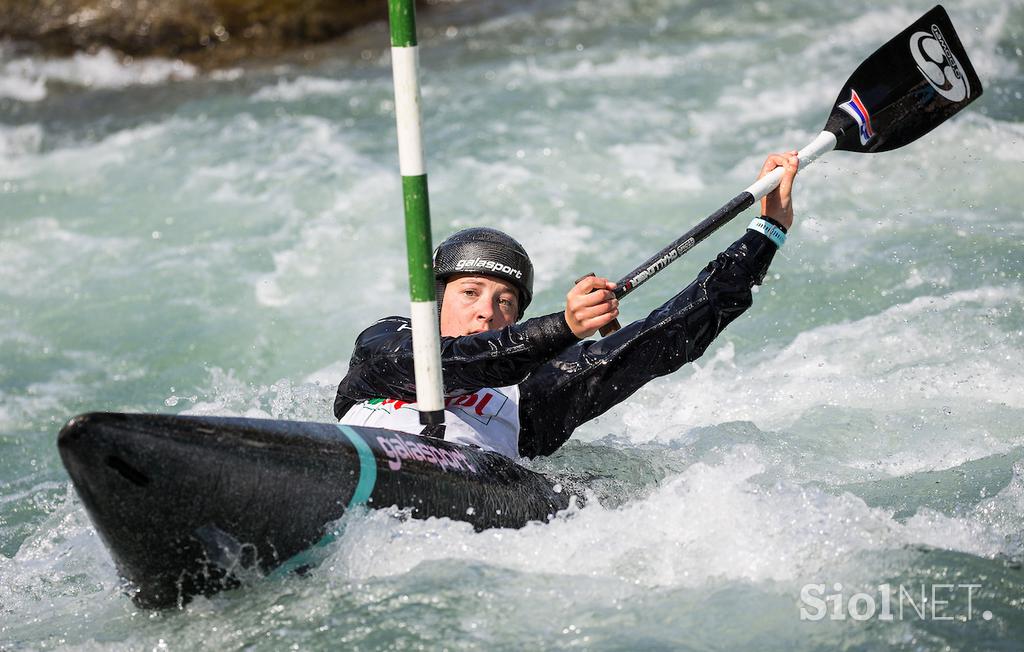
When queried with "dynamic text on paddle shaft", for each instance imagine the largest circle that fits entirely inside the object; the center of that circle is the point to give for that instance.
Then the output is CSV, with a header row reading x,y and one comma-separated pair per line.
x,y
659,264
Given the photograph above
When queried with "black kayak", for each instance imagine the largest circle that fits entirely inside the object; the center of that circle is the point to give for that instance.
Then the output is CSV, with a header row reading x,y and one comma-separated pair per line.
x,y
186,503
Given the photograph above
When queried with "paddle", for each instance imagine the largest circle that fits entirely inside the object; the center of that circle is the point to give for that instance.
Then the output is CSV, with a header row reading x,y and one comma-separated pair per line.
x,y
906,88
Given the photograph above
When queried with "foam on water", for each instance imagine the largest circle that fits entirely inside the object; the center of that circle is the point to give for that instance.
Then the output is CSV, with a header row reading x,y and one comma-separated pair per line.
x,y
226,395
20,272
677,538
577,67
657,165
19,141
27,78
62,569
917,357
715,525
712,524
303,86
78,165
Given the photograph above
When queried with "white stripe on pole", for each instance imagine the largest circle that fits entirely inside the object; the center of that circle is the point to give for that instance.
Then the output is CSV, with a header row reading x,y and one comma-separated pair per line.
x,y
404,64
825,142
426,351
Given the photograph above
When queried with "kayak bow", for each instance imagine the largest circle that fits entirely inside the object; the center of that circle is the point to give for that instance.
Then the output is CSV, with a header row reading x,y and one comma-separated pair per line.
x,y
186,504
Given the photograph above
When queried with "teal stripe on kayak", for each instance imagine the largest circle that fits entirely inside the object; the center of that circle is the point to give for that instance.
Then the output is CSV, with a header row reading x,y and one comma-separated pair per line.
x,y
364,487
367,467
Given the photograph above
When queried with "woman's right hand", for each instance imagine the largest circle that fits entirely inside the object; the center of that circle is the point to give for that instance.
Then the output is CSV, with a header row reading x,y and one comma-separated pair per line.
x,y
590,305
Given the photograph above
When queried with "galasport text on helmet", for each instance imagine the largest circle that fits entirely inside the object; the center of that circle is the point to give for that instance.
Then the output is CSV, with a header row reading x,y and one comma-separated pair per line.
x,y
481,250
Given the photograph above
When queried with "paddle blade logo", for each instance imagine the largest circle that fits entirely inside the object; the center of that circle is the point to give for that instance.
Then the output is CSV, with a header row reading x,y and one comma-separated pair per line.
x,y
938,65
859,112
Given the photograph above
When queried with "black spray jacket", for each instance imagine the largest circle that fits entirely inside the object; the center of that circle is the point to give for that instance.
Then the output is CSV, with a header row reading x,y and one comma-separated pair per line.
x,y
564,382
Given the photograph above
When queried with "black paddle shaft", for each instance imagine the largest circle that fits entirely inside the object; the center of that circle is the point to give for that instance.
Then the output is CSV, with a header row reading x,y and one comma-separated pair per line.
x,y
684,243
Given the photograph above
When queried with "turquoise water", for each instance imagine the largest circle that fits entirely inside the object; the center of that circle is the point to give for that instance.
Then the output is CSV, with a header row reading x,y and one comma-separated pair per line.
x,y
172,240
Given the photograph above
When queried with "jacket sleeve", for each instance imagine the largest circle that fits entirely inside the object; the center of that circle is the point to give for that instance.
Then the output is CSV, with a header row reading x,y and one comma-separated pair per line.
x,y
382,360
589,378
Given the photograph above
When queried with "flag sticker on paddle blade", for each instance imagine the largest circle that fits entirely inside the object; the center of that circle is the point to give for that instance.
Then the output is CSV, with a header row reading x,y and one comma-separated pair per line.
x,y
859,112
938,64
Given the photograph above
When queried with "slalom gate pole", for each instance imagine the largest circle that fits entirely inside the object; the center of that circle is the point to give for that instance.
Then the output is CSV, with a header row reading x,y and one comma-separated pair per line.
x,y
425,327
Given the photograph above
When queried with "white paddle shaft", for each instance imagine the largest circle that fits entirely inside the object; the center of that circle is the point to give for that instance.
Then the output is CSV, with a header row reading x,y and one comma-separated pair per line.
x,y
824,143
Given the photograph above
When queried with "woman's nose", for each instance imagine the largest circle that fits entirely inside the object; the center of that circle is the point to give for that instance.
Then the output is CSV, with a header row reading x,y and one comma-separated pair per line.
x,y
485,309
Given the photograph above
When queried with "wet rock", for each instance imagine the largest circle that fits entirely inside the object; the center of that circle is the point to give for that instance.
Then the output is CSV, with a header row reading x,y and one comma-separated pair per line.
x,y
208,32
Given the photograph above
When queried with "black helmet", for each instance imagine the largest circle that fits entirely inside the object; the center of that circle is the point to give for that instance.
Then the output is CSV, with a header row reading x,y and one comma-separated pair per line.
x,y
485,251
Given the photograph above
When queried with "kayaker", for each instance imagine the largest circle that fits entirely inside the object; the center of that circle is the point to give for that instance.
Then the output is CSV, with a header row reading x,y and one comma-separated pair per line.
x,y
522,387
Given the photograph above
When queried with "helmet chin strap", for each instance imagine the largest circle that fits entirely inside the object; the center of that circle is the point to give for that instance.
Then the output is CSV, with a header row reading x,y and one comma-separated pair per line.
x,y
439,294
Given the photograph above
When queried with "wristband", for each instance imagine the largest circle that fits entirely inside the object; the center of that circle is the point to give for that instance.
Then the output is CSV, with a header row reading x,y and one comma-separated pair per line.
x,y
774,222
773,233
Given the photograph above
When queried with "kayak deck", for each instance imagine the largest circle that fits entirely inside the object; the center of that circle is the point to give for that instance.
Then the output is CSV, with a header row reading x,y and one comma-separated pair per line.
x,y
186,502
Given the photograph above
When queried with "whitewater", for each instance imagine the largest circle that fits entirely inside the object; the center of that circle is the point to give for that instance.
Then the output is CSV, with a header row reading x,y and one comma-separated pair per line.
x,y
184,241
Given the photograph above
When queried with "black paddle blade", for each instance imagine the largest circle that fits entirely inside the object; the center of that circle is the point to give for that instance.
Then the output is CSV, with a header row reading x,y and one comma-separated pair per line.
x,y
909,86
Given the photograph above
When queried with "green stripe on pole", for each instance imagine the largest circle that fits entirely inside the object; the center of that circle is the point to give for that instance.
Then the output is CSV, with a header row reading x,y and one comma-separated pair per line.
x,y
402,14
417,238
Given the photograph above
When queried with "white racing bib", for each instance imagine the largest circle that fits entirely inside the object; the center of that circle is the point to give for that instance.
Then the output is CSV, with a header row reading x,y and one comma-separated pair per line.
x,y
488,418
